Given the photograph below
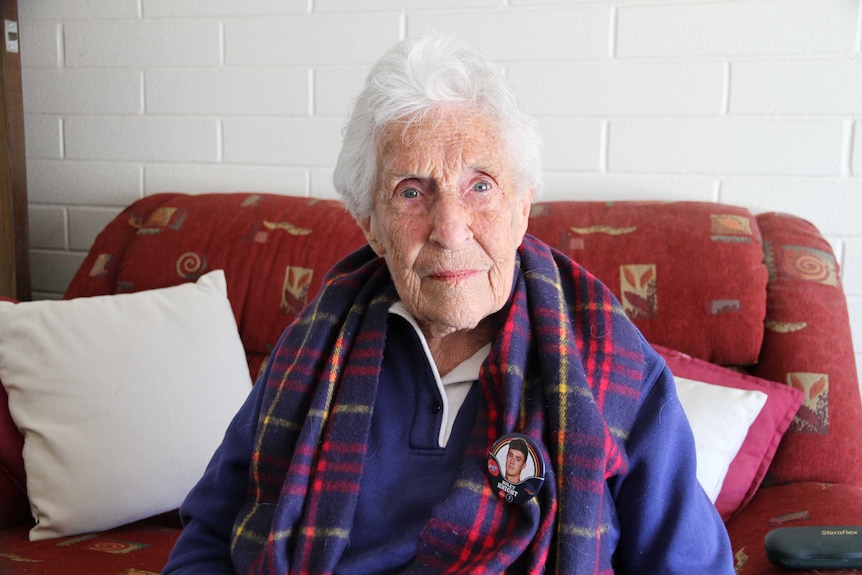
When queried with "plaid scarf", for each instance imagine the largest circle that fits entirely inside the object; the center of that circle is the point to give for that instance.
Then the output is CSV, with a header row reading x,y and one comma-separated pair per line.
x,y
565,368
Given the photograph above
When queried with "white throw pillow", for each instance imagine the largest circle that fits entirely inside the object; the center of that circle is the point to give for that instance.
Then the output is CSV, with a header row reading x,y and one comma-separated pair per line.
x,y
122,399
719,418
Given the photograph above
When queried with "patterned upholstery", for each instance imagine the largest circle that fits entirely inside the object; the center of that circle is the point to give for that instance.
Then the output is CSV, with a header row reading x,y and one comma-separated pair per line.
x,y
690,275
137,549
762,294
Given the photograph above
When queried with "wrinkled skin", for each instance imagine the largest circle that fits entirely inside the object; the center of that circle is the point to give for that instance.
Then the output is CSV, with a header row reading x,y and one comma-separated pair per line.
x,y
448,217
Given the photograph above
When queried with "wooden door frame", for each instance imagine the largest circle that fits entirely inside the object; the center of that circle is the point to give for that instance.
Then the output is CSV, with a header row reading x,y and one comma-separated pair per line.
x,y
14,224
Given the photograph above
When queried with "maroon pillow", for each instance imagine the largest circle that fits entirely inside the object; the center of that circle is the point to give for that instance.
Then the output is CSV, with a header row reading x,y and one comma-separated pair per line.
x,y
14,508
750,465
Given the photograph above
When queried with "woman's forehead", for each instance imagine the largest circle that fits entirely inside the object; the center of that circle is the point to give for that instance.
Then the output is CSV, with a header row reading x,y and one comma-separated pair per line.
x,y
454,136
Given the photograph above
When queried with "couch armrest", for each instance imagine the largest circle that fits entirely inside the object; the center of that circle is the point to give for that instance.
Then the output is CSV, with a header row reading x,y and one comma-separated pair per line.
x,y
99,271
14,507
807,344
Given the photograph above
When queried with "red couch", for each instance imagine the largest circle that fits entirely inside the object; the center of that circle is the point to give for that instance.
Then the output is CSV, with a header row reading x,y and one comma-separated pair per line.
x,y
728,298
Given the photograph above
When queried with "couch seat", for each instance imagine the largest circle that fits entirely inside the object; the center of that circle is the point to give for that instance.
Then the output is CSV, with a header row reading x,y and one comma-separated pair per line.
x,y
796,504
138,549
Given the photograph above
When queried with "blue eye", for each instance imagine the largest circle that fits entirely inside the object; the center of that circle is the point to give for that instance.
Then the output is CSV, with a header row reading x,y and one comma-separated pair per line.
x,y
410,193
481,186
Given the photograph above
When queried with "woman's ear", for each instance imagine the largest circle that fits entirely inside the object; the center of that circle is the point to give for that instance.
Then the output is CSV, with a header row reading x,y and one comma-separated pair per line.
x,y
367,227
525,206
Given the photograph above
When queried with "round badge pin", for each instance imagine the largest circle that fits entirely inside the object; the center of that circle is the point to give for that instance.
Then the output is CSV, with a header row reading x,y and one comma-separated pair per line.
x,y
516,469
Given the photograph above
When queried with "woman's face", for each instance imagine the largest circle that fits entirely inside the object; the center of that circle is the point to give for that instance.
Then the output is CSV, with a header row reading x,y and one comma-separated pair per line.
x,y
448,217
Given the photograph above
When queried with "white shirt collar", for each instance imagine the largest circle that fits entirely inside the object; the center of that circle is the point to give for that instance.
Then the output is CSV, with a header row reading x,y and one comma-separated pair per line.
x,y
456,384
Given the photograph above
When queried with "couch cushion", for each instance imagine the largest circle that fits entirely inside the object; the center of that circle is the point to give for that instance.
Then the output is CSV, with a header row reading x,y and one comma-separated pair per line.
x,y
689,274
808,345
800,504
122,399
274,250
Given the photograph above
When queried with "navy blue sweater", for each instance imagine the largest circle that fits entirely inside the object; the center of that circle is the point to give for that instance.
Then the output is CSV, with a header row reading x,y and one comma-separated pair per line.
x,y
407,473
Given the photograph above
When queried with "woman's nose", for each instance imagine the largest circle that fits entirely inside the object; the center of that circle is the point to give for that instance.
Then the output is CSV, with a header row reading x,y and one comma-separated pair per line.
x,y
451,220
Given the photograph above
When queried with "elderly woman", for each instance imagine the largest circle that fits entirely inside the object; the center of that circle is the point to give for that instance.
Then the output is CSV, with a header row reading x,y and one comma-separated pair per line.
x,y
364,447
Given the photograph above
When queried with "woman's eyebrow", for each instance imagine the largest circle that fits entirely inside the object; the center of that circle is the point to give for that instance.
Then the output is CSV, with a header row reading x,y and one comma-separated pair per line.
x,y
481,166
403,176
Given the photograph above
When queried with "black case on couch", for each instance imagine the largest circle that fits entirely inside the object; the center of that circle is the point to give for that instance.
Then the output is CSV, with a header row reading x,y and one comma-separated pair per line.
x,y
822,547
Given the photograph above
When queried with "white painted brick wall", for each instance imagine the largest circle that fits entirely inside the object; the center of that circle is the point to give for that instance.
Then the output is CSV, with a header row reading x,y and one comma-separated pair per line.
x,y
311,39
48,228
749,102
562,185
228,92
854,305
238,8
749,28
282,141
43,137
124,43
83,183
853,265
620,88
857,149
54,269
797,87
726,145
834,205
86,223
571,143
335,87
65,91
412,5
143,138
44,43
78,9
321,183
519,35
202,178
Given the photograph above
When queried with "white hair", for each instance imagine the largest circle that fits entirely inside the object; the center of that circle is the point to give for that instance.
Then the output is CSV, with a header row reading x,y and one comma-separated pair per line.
x,y
413,79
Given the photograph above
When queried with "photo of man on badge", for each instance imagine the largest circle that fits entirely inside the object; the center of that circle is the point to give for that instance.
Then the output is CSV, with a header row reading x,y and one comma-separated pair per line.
x,y
451,330
516,460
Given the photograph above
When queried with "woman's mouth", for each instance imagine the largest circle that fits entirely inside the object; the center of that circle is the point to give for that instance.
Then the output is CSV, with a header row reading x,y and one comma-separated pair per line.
x,y
451,275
